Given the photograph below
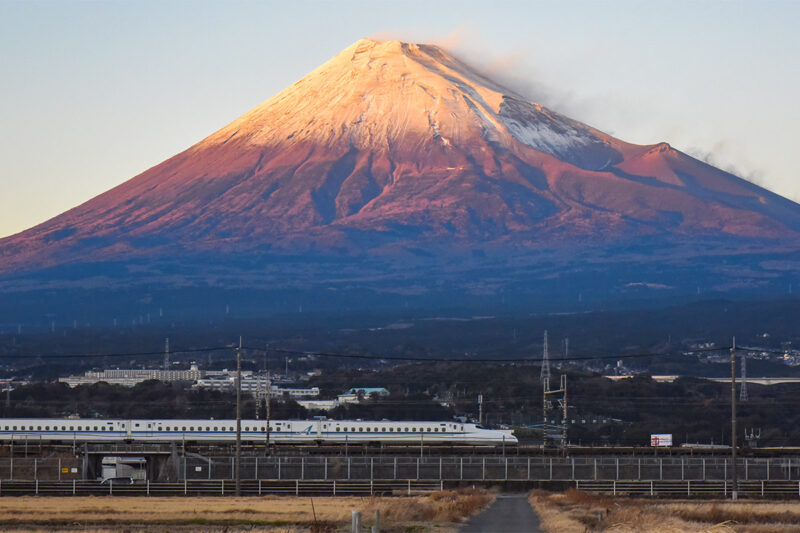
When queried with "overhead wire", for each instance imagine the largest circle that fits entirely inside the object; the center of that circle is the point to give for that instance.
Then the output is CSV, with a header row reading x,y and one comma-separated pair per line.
x,y
310,353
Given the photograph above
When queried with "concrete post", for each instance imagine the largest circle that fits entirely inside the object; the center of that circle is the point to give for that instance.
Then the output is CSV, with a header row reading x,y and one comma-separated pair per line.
x,y
355,525
376,527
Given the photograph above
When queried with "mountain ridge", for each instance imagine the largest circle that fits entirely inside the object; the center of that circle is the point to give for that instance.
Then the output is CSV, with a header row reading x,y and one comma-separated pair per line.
x,y
393,147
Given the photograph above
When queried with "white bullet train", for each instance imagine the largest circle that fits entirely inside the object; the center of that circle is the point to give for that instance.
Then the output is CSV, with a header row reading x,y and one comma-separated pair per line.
x,y
281,431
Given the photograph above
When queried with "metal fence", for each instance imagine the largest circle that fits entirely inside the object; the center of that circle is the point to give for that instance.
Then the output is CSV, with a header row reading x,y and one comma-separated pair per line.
x,y
692,488
458,468
217,487
494,468
47,468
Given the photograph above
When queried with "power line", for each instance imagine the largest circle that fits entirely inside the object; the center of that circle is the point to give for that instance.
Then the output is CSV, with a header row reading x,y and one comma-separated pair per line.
x,y
471,359
351,356
100,355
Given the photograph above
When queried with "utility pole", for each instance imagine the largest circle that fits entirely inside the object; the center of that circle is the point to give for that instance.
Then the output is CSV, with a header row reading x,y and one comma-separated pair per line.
x,y
544,376
563,401
734,477
238,459
564,426
480,409
268,398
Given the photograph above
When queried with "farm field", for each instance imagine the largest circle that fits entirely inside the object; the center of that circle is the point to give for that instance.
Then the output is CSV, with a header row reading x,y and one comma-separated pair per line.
x,y
437,512
577,512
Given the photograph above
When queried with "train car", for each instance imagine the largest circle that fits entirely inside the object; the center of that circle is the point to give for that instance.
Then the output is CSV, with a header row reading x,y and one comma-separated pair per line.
x,y
281,431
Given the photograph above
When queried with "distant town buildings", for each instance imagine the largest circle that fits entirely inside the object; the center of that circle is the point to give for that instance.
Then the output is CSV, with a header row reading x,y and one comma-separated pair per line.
x,y
255,385
354,394
128,377
225,380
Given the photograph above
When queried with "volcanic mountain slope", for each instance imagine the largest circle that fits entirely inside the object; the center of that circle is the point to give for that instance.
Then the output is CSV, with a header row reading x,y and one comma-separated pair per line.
x,y
391,145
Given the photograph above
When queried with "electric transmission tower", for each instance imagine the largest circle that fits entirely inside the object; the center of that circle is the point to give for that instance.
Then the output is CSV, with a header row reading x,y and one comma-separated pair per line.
x,y
545,374
166,354
743,390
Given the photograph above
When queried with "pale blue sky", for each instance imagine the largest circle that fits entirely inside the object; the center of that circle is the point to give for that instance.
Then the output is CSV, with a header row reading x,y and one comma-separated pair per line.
x,y
93,93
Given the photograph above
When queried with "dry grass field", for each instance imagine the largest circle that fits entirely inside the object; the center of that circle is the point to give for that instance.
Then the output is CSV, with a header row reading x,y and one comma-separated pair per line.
x,y
440,512
579,512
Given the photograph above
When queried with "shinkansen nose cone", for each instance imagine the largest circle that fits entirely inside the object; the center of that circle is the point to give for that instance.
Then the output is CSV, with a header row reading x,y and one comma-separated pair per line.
x,y
507,437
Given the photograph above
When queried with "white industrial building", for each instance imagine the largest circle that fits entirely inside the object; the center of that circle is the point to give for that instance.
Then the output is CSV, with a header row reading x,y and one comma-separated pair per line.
x,y
128,377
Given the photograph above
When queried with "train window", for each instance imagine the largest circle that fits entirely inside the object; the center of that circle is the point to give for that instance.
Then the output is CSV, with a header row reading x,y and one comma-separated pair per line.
x,y
72,428
15,427
215,428
383,429
429,430
184,428
38,428
337,429
414,429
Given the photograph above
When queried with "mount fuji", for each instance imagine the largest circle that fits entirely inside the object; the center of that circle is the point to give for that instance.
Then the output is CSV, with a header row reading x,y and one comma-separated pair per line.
x,y
397,169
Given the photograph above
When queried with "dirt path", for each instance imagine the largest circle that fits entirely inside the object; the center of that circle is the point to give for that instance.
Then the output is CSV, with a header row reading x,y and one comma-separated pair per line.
x,y
510,513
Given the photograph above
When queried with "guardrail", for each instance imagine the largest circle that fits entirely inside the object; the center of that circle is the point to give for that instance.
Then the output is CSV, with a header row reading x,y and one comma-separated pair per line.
x,y
691,488
219,487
